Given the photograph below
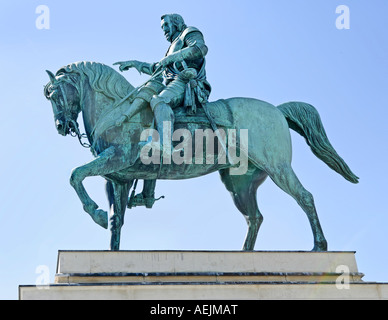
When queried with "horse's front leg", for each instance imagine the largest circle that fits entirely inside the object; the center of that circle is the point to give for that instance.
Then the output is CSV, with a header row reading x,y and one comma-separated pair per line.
x,y
106,163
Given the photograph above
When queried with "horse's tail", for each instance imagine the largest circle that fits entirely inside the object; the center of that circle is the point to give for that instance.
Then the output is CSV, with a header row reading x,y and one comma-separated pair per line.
x,y
305,120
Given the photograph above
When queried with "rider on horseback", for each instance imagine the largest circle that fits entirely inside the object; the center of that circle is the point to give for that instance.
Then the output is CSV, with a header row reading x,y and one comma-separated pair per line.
x,y
184,76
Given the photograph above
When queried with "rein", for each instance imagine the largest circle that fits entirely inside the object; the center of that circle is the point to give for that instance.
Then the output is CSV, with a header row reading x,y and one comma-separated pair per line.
x,y
74,132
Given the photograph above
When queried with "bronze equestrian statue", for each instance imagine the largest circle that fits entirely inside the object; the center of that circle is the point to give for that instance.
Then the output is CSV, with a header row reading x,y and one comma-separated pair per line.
x,y
126,128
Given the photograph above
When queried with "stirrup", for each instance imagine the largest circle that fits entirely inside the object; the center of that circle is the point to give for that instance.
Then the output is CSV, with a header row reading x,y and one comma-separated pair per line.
x,y
139,201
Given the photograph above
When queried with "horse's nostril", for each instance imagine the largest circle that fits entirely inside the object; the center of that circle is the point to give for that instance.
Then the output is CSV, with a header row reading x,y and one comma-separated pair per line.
x,y
59,125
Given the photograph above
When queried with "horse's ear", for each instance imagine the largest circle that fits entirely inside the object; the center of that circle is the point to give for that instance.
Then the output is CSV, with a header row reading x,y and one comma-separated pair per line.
x,y
51,75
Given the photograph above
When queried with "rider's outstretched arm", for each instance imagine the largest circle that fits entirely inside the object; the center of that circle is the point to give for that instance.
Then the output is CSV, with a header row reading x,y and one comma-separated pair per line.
x,y
142,67
147,68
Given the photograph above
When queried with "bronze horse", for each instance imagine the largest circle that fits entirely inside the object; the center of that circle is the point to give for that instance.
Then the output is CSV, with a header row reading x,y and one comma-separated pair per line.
x,y
96,91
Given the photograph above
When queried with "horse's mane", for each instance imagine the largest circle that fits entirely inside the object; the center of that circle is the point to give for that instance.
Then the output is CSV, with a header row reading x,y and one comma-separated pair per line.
x,y
102,78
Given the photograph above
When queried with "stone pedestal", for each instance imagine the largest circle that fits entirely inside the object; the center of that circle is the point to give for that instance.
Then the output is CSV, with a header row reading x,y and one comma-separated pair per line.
x,y
197,275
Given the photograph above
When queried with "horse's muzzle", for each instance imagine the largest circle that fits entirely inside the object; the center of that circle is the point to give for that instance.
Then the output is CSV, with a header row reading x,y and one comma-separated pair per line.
x,y
61,127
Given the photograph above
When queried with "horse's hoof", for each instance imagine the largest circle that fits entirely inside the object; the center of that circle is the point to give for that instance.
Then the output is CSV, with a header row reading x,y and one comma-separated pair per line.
x,y
320,247
101,218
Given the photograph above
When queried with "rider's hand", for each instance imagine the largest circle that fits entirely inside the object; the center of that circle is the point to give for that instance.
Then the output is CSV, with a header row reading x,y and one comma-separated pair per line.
x,y
125,65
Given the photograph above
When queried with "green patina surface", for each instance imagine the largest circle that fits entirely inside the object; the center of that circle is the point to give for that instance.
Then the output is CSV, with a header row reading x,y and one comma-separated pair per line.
x,y
150,133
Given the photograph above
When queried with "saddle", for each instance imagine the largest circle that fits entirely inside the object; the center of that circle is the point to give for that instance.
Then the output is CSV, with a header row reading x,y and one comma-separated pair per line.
x,y
218,110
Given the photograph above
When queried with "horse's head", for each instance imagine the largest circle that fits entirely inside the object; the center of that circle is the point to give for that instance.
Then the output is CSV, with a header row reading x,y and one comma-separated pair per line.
x,y
65,101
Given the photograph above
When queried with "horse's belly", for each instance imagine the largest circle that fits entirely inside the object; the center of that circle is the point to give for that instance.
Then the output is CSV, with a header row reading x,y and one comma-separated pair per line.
x,y
174,169
186,171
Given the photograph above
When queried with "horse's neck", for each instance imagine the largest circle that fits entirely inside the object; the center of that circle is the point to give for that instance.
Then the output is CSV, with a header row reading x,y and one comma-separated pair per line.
x,y
100,113
94,106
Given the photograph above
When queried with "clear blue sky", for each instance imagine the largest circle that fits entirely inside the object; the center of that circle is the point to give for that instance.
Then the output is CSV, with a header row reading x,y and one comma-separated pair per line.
x,y
277,51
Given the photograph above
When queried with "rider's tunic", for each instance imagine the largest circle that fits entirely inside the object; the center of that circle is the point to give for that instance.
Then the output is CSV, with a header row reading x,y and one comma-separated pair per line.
x,y
191,45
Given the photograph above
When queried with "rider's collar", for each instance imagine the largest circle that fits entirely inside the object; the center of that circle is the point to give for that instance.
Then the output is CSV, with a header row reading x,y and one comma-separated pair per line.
x,y
176,36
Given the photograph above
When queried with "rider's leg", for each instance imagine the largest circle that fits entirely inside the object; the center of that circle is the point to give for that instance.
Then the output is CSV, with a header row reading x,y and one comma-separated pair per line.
x,y
162,104
164,118
171,97
142,100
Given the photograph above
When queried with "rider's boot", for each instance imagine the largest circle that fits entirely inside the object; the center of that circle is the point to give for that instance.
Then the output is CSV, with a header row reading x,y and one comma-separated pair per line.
x,y
146,198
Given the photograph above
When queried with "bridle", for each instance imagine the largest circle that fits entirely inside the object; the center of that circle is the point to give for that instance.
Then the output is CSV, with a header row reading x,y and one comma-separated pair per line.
x,y
70,114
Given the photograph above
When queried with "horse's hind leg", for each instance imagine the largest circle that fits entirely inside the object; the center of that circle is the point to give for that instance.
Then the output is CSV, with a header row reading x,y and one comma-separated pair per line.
x,y
118,199
243,190
285,178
